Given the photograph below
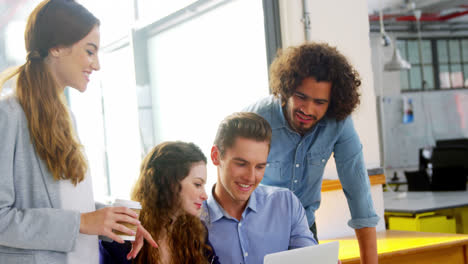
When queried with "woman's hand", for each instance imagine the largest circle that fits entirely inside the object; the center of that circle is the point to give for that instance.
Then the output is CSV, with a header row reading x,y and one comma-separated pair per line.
x,y
138,243
103,221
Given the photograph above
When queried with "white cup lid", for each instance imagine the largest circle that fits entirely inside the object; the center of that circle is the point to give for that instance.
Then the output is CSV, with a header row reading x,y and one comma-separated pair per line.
x,y
127,203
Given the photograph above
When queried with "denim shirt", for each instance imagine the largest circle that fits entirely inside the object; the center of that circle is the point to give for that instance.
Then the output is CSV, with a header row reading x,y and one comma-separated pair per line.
x,y
273,220
297,162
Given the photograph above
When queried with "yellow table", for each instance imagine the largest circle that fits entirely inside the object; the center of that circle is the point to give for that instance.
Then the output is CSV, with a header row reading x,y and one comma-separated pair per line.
x,y
406,247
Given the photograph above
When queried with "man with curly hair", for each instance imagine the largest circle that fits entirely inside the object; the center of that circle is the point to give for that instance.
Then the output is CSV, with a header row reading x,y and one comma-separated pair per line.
x,y
314,91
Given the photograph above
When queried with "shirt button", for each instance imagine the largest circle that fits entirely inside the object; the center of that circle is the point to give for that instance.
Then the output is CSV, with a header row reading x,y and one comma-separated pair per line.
x,y
295,181
323,161
246,254
297,165
240,224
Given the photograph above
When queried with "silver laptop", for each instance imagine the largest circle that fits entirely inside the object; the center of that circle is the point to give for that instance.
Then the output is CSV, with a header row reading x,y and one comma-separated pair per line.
x,y
326,253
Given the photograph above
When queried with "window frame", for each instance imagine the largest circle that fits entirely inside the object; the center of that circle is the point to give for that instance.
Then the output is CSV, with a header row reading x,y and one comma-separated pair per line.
x,y
435,63
143,30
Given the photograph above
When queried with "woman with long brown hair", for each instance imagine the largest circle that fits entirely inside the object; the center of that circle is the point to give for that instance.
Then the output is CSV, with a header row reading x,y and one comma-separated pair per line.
x,y
171,191
47,210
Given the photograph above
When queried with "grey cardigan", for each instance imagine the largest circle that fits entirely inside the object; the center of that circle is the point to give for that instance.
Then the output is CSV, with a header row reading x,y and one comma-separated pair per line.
x,y
33,228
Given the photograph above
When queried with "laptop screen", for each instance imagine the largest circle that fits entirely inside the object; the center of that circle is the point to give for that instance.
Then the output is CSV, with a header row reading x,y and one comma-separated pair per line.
x,y
326,253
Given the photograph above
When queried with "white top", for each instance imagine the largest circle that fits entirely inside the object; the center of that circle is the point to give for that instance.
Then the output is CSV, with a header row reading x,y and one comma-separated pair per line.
x,y
80,198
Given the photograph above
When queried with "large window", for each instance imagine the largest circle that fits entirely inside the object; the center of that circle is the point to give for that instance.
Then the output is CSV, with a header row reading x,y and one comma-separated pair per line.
x,y
106,114
441,63
153,10
174,74
204,69
170,70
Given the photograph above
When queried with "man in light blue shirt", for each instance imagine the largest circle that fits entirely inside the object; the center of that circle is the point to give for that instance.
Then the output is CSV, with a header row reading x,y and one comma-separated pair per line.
x,y
315,90
247,221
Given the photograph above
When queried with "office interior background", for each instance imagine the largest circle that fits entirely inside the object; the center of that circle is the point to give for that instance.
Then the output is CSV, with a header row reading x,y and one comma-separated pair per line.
x,y
172,70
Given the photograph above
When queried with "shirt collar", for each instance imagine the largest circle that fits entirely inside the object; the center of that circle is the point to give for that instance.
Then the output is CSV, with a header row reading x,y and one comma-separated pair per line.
x,y
252,203
216,211
280,120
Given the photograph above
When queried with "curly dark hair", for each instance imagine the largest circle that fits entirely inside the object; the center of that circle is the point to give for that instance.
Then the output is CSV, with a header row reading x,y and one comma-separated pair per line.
x,y
158,190
324,63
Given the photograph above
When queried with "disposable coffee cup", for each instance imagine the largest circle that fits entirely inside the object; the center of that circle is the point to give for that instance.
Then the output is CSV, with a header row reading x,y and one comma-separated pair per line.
x,y
136,207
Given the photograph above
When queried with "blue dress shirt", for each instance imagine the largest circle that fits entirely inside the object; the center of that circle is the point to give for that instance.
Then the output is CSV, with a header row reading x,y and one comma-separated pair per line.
x,y
297,162
273,220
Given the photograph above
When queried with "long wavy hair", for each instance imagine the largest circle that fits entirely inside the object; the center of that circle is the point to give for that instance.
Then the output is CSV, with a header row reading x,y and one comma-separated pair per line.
x,y
53,23
158,190
324,63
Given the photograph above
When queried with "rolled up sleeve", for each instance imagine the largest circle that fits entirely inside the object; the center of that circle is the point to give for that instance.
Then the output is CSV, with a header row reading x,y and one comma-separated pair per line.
x,y
353,176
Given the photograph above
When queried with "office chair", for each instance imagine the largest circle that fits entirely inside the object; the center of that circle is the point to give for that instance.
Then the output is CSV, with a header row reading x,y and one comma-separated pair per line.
x,y
448,179
418,181
449,168
454,142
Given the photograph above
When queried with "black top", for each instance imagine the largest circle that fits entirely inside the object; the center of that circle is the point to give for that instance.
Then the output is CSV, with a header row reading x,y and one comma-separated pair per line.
x,y
115,253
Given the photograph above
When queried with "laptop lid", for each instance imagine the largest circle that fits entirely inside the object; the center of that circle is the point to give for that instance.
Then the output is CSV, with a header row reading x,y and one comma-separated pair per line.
x,y
326,253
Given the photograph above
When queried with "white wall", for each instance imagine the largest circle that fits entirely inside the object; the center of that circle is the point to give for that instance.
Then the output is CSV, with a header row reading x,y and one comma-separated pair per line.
x,y
343,24
376,5
347,28
437,114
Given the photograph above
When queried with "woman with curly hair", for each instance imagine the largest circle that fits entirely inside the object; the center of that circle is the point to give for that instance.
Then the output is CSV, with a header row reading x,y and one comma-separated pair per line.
x,y
315,90
171,191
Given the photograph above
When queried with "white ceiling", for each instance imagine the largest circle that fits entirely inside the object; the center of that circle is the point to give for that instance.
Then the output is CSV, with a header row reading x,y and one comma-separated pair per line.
x,y
437,15
427,6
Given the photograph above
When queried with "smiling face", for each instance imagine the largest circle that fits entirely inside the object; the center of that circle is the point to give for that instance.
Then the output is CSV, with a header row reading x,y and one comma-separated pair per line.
x,y
240,171
307,105
193,189
73,65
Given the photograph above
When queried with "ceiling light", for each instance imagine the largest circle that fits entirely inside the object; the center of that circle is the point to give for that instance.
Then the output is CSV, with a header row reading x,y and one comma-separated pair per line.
x,y
396,63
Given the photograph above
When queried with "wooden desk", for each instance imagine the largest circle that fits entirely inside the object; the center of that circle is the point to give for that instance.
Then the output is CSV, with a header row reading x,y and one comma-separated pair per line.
x,y
333,185
404,247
